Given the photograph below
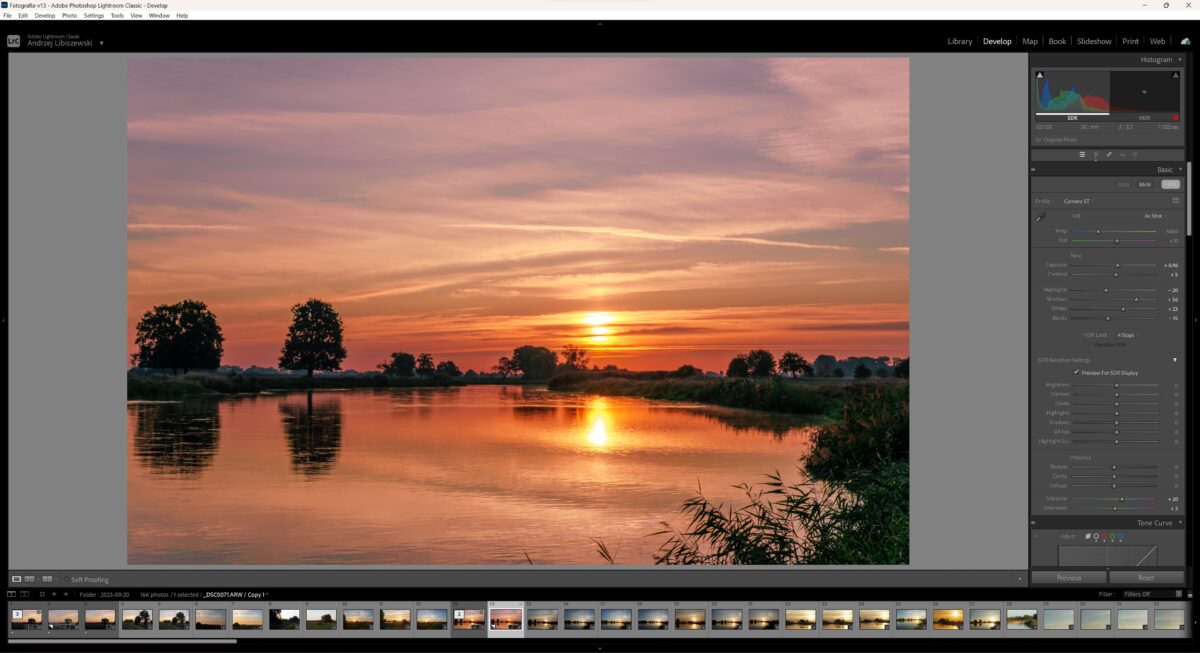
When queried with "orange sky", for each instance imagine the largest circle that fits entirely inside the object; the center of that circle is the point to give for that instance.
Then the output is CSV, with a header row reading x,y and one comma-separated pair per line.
x,y
656,211
96,616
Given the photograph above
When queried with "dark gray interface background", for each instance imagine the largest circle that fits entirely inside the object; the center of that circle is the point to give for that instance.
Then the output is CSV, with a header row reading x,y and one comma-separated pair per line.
x,y
968,303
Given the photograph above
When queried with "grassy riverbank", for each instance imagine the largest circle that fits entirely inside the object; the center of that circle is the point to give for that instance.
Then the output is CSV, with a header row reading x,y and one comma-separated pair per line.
x,y
797,397
849,503
200,384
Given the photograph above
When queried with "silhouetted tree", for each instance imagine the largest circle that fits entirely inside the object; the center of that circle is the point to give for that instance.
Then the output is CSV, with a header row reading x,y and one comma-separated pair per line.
x,y
838,373
574,358
400,364
425,366
862,371
448,368
314,340
761,361
535,362
739,366
179,336
824,365
794,364
684,371
902,369
505,367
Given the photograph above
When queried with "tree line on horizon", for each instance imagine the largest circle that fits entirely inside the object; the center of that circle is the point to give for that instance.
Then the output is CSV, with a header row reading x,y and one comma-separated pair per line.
x,y
762,363
186,336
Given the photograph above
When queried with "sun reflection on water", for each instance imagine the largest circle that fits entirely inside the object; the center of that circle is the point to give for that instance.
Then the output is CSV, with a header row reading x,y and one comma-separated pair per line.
x,y
598,411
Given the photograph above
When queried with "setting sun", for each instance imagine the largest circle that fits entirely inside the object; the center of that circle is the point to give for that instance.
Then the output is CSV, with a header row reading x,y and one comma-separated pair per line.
x,y
599,333
598,319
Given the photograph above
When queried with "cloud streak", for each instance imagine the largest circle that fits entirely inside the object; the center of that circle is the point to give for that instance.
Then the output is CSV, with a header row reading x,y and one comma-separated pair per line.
x,y
645,235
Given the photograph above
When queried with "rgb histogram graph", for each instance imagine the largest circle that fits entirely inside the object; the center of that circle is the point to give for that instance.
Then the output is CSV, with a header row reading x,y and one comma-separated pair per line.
x,y
1072,93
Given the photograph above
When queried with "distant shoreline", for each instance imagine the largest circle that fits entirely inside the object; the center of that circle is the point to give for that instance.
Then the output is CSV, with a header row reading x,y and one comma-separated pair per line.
x,y
801,396
198,385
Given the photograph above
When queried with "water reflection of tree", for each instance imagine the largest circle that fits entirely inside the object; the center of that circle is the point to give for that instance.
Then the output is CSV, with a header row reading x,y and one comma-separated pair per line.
x,y
177,438
778,426
314,433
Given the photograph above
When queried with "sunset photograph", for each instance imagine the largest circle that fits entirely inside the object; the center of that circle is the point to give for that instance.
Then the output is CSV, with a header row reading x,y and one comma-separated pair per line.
x,y
395,619
137,619
320,619
948,619
614,292
837,619
102,619
616,619
175,619
579,619
912,619
431,619
211,619
469,619
763,619
689,619
800,619
358,619
985,619
653,619
26,620
63,620
874,619
542,619
727,619
247,619
505,619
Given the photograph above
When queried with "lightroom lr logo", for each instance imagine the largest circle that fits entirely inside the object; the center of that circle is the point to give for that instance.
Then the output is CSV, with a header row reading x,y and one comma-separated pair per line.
x,y
14,40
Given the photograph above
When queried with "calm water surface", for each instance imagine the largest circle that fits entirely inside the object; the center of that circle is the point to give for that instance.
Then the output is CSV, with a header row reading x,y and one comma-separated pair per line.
x,y
469,475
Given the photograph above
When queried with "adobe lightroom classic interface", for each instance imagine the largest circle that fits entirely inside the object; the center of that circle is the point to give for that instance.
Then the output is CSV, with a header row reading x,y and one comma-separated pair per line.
x,y
597,336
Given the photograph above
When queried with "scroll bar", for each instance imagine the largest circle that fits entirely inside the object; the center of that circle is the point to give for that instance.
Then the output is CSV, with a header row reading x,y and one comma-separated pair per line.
x,y
1188,195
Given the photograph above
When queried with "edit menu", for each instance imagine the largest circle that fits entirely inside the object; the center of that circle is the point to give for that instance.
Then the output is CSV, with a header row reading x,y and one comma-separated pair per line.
x,y
1109,211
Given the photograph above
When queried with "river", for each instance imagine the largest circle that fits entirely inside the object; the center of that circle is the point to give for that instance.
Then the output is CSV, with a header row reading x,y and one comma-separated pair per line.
x,y
485,474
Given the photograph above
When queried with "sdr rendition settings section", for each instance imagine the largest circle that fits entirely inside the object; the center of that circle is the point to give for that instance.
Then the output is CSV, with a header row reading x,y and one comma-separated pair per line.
x,y
1108,218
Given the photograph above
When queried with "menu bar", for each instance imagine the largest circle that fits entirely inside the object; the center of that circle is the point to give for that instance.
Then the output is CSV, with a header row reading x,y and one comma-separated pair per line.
x,y
589,9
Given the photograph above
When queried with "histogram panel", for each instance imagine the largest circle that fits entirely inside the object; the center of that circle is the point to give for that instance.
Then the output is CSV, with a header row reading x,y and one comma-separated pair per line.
x,y
1071,92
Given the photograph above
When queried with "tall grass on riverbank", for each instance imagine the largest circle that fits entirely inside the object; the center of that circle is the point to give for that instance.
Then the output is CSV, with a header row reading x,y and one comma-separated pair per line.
x,y
849,506
199,384
804,397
